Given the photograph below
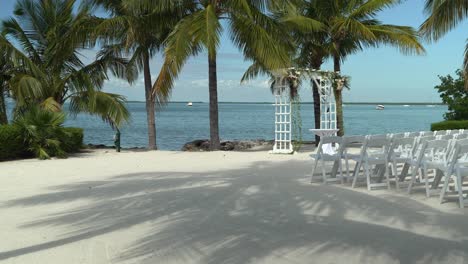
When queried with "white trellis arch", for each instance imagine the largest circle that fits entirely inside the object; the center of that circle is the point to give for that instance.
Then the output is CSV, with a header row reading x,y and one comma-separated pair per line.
x,y
327,101
283,124
283,127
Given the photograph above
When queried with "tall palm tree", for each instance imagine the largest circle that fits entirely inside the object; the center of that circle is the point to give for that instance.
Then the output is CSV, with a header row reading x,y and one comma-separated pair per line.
x,y
252,28
138,29
49,70
351,26
444,15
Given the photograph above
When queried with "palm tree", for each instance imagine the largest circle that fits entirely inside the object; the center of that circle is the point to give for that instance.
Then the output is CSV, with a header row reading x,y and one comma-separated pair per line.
x,y
139,31
351,26
252,28
49,70
444,15
5,66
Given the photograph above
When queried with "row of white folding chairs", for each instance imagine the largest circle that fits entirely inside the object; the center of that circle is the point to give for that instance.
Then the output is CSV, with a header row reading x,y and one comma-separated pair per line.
x,y
419,151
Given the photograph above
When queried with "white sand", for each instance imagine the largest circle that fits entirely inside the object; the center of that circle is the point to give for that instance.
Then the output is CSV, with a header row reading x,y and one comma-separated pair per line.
x,y
213,208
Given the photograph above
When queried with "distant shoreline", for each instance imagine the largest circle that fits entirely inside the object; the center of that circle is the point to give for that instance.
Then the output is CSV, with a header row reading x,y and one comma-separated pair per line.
x,y
346,103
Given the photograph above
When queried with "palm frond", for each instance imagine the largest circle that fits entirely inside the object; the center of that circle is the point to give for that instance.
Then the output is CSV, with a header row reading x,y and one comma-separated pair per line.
x,y
444,15
111,108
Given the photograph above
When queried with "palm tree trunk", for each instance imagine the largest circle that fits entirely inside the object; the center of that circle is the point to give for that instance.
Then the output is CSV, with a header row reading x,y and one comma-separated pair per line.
x,y
339,99
316,64
3,112
150,103
213,88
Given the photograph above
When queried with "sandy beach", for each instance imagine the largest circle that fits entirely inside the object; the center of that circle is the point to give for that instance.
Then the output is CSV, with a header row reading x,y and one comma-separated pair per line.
x,y
212,208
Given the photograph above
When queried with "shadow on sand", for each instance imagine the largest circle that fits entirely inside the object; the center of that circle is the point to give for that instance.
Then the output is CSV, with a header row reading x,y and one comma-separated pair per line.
x,y
250,215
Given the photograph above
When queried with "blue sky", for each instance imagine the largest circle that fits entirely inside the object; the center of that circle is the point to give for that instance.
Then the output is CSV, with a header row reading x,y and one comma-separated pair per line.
x,y
378,75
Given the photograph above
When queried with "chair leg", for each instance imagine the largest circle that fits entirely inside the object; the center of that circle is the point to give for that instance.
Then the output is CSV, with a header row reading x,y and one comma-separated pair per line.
x,y
426,181
340,167
387,175
395,175
313,170
404,171
460,189
445,187
413,179
356,173
324,173
347,168
367,169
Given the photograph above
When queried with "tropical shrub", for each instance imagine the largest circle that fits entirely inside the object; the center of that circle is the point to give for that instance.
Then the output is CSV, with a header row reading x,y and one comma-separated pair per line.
x,y
450,125
73,139
42,132
11,144
453,94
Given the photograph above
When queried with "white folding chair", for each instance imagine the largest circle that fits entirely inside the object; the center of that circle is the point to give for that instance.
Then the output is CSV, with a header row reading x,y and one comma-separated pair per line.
x,y
399,152
458,166
349,142
323,156
413,164
374,152
436,157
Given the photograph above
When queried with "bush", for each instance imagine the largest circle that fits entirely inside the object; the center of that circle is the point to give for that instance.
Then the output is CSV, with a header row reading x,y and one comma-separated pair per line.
x,y
11,143
450,125
453,94
73,139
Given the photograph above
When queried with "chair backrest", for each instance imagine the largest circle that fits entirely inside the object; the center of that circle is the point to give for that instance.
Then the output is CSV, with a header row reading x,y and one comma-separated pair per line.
x,y
447,137
426,133
412,134
437,149
421,140
329,140
418,144
460,153
377,145
402,145
347,140
461,136
399,135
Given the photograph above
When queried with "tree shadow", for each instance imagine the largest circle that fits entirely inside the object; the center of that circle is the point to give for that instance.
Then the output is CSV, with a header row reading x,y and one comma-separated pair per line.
x,y
261,213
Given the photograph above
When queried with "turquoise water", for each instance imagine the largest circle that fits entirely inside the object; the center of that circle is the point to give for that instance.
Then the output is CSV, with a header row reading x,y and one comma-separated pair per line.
x,y
178,124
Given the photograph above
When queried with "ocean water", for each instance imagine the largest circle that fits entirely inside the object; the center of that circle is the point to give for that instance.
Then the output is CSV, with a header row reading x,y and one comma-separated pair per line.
x,y
178,124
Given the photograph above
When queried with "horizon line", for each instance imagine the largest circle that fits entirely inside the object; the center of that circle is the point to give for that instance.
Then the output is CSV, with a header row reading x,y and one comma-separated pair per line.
x,y
306,102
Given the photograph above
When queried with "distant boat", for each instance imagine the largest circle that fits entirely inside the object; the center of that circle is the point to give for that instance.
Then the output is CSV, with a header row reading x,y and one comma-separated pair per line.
x,y
406,105
189,104
380,107
430,105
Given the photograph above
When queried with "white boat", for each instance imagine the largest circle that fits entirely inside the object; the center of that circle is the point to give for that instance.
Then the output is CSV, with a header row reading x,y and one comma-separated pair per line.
x,y
430,105
406,105
189,104
380,107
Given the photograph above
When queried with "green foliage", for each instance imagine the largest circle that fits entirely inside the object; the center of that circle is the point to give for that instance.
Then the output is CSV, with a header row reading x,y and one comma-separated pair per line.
x,y
73,139
450,125
445,15
453,93
42,132
11,144
45,40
